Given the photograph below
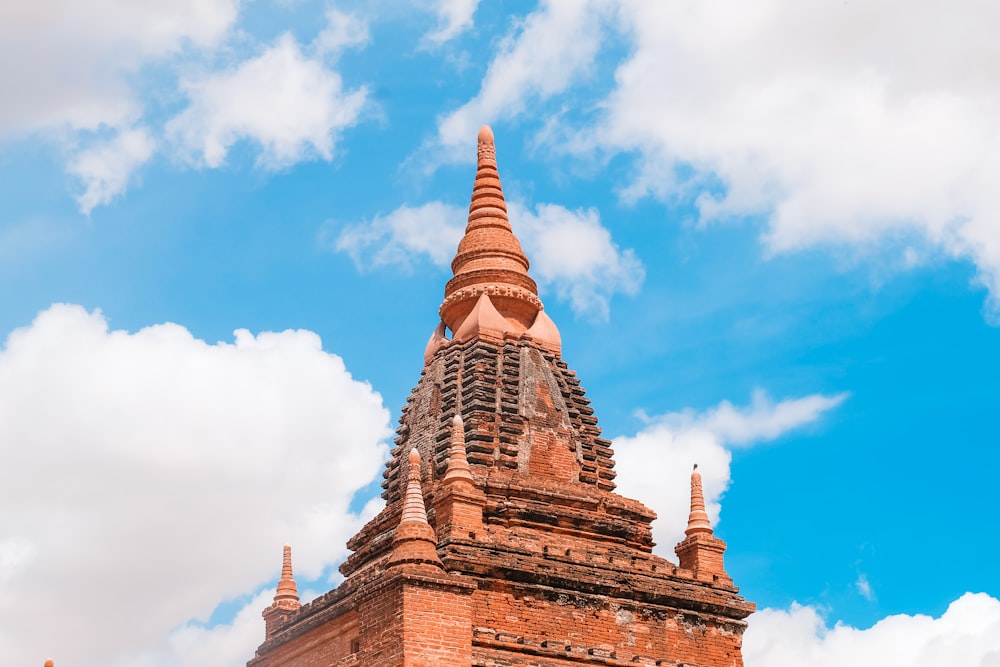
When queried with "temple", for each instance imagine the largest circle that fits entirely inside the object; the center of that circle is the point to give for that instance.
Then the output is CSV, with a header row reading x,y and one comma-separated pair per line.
x,y
502,542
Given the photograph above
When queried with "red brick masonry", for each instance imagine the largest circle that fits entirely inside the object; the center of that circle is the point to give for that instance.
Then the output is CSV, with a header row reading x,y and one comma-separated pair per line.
x,y
502,542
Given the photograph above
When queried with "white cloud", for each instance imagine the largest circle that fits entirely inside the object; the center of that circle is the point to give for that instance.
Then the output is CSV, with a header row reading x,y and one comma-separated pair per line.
x,y
82,67
845,124
15,552
157,472
106,168
570,251
857,124
655,463
195,645
966,635
574,254
455,17
547,52
291,106
432,230
64,62
762,420
864,587
342,31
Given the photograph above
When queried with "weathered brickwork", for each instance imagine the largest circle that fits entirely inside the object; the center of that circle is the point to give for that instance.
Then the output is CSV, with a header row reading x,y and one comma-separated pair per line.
x,y
502,542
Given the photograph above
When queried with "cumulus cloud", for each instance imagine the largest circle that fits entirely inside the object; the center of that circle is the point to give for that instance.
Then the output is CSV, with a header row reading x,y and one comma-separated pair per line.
x,y
570,251
760,421
68,63
454,17
342,31
966,635
546,53
106,168
196,645
808,116
153,466
431,230
81,67
655,463
847,124
293,107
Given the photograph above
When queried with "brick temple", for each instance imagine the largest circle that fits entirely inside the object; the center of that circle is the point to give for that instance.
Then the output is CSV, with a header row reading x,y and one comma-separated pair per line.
x,y
502,542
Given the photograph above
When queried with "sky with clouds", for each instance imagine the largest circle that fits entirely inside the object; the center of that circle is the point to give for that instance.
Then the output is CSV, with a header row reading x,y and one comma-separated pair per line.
x,y
769,232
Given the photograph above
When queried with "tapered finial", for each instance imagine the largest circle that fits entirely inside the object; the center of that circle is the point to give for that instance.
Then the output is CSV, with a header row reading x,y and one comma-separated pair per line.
x,y
287,594
458,462
486,134
415,541
413,505
698,519
489,258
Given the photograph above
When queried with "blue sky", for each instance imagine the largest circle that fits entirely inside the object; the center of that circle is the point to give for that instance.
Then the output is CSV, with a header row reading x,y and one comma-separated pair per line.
x,y
767,231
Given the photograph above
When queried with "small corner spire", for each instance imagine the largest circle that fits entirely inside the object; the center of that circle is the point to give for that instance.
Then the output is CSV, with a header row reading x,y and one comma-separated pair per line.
x,y
287,594
286,598
698,518
415,541
413,506
458,462
700,551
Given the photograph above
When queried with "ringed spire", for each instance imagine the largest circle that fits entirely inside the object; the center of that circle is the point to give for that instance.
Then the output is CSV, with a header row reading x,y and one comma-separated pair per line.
x,y
287,594
415,541
490,259
698,518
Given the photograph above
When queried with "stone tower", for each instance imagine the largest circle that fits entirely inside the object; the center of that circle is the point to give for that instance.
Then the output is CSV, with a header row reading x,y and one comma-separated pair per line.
x,y
502,542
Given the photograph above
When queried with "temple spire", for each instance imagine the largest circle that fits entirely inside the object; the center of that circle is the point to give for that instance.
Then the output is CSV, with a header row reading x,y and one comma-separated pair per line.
x,y
286,598
701,551
698,518
458,463
458,507
287,594
415,541
489,258
413,507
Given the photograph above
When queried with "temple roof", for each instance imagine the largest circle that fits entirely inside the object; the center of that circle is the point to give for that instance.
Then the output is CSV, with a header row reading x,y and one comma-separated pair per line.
x,y
498,390
500,476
